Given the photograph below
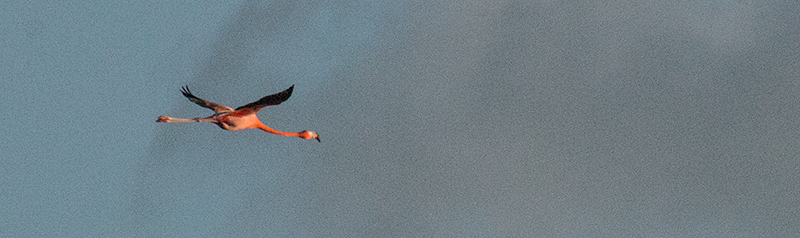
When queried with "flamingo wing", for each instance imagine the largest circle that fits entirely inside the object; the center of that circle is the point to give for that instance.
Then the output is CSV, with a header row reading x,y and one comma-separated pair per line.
x,y
273,99
204,103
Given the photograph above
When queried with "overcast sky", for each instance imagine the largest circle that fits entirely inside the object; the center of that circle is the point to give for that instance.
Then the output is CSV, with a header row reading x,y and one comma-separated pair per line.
x,y
437,119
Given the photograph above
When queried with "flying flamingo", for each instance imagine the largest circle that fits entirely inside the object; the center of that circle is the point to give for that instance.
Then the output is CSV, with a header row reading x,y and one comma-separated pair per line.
x,y
242,117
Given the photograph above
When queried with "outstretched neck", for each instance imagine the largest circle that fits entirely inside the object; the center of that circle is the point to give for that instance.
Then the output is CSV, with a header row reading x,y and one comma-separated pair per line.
x,y
277,132
305,134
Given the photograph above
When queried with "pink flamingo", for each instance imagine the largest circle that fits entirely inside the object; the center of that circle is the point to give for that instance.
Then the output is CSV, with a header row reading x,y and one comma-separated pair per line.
x,y
242,117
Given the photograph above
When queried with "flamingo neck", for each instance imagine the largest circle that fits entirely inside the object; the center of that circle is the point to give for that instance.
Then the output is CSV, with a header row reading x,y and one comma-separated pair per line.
x,y
277,132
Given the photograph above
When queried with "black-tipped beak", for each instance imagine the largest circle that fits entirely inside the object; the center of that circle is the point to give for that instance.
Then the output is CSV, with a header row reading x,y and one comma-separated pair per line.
x,y
318,139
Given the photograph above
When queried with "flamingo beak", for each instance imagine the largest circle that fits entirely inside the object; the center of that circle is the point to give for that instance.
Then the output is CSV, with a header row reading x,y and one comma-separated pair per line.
x,y
318,139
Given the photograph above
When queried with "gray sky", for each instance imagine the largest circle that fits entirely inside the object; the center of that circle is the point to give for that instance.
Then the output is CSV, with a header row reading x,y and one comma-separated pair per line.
x,y
437,119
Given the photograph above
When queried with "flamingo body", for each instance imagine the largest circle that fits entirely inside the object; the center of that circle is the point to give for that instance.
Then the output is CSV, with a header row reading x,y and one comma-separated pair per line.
x,y
243,117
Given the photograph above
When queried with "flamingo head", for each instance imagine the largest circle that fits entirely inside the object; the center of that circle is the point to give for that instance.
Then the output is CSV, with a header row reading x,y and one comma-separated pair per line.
x,y
306,134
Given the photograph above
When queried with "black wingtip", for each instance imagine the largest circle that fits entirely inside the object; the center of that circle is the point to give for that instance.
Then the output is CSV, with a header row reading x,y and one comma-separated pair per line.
x,y
185,91
287,93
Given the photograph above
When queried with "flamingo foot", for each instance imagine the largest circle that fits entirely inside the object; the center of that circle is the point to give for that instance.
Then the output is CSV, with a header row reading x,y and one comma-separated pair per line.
x,y
163,118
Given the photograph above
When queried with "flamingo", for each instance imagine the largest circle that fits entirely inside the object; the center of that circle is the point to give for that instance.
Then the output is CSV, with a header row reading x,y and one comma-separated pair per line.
x,y
242,117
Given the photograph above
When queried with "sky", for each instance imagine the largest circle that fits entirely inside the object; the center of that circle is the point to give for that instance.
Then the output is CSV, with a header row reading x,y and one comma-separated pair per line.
x,y
437,119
